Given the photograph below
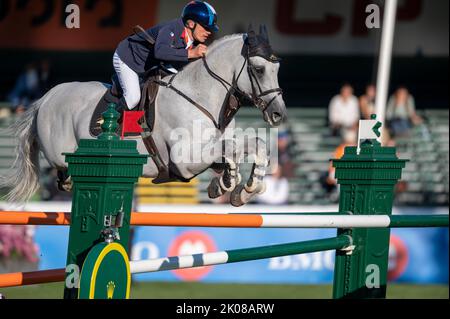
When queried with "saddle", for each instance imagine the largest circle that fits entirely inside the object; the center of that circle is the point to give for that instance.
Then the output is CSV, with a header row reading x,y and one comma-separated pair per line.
x,y
149,91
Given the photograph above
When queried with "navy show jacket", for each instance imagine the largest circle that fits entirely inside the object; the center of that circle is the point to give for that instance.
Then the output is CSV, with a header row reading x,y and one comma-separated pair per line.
x,y
169,46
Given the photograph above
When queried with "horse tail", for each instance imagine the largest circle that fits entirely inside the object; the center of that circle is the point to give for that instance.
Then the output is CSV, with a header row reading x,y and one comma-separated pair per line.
x,y
22,181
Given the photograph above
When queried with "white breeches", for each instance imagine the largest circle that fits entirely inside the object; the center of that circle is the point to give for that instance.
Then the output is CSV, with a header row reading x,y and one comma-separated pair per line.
x,y
129,81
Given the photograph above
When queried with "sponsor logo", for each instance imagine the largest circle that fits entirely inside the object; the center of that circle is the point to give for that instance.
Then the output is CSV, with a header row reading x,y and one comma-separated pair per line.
x,y
191,243
314,262
398,257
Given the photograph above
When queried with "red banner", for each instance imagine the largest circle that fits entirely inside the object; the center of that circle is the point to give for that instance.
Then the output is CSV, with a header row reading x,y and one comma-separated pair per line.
x,y
41,24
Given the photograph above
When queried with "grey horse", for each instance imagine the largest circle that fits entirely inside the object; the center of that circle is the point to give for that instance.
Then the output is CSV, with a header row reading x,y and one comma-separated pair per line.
x,y
242,63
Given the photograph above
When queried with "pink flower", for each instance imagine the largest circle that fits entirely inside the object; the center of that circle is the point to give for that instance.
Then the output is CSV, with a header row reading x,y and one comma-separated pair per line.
x,y
19,240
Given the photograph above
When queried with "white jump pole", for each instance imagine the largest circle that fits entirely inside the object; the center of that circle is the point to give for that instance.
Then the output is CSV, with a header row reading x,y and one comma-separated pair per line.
x,y
385,57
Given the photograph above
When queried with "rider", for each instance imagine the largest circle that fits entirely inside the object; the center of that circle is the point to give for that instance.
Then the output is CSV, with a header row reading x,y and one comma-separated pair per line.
x,y
177,42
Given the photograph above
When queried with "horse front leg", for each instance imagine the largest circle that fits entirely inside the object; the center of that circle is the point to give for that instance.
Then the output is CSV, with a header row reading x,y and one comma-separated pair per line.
x,y
228,169
243,193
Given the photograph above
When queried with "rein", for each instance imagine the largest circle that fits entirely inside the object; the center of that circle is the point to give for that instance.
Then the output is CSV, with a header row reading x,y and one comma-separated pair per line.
x,y
232,88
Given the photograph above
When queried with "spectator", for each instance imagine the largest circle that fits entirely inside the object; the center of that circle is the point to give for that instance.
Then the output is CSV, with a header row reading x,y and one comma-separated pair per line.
x,y
277,189
284,153
4,113
327,180
401,113
367,102
26,89
344,111
45,78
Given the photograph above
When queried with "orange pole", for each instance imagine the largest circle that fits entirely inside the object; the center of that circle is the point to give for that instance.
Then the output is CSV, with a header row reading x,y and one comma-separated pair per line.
x,y
195,220
139,219
34,218
31,278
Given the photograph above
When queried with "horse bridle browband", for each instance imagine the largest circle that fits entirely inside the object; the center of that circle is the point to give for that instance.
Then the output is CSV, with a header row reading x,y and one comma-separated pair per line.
x,y
232,88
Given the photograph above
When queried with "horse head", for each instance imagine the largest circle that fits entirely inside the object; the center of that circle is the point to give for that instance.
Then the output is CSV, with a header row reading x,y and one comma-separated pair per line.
x,y
262,76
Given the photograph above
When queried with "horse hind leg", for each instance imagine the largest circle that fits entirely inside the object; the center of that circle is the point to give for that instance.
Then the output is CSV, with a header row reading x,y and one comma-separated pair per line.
x,y
64,181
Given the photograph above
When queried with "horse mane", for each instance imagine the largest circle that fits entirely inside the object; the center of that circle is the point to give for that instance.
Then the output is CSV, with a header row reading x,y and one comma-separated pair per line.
x,y
226,38
213,47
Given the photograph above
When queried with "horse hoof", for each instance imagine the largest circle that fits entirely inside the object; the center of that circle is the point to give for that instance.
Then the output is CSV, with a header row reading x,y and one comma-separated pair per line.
x,y
66,185
214,190
235,198
262,189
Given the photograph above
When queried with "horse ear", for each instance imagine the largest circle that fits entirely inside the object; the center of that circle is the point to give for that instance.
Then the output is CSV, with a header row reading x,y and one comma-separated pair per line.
x,y
263,32
252,40
251,31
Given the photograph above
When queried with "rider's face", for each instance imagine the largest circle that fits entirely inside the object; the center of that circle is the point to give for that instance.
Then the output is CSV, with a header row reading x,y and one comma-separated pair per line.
x,y
199,33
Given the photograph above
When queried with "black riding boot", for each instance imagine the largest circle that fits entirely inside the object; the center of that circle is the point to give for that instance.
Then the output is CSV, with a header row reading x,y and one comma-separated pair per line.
x,y
121,106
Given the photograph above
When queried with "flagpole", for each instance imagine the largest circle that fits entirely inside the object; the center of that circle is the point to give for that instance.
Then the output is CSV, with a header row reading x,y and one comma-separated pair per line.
x,y
123,125
385,58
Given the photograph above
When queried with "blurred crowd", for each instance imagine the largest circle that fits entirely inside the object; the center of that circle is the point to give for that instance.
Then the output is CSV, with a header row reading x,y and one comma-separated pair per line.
x,y
30,85
345,111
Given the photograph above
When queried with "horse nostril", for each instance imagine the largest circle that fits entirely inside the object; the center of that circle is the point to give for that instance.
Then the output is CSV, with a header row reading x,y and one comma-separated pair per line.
x,y
276,117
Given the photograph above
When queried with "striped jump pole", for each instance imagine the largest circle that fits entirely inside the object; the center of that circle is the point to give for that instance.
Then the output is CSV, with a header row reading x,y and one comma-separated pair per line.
x,y
190,261
240,255
299,220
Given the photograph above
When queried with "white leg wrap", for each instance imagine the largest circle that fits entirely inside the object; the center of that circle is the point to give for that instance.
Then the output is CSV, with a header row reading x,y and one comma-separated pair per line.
x,y
225,188
261,161
259,172
231,163
252,187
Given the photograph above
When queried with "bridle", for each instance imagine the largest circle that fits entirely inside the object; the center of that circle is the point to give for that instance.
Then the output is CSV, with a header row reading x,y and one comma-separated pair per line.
x,y
232,88
254,96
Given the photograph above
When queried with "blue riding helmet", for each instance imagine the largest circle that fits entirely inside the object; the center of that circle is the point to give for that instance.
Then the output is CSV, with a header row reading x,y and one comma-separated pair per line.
x,y
202,13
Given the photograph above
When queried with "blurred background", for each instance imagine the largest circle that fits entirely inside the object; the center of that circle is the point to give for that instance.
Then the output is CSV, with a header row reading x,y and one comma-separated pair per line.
x,y
329,66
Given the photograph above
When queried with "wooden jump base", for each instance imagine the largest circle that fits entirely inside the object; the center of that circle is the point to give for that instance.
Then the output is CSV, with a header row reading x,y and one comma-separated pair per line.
x,y
300,220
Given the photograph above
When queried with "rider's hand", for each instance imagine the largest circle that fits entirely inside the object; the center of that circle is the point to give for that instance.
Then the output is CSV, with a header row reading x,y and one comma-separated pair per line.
x,y
198,51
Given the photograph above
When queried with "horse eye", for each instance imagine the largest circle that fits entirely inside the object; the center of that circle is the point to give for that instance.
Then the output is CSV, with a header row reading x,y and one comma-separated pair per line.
x,y
259,70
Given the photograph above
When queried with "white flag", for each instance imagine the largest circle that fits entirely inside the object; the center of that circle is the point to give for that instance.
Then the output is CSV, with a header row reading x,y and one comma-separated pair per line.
x,y
369,130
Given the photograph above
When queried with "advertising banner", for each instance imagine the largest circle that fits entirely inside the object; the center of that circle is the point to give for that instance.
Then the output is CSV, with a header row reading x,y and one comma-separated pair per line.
x,y
416,255
50,25
324,27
